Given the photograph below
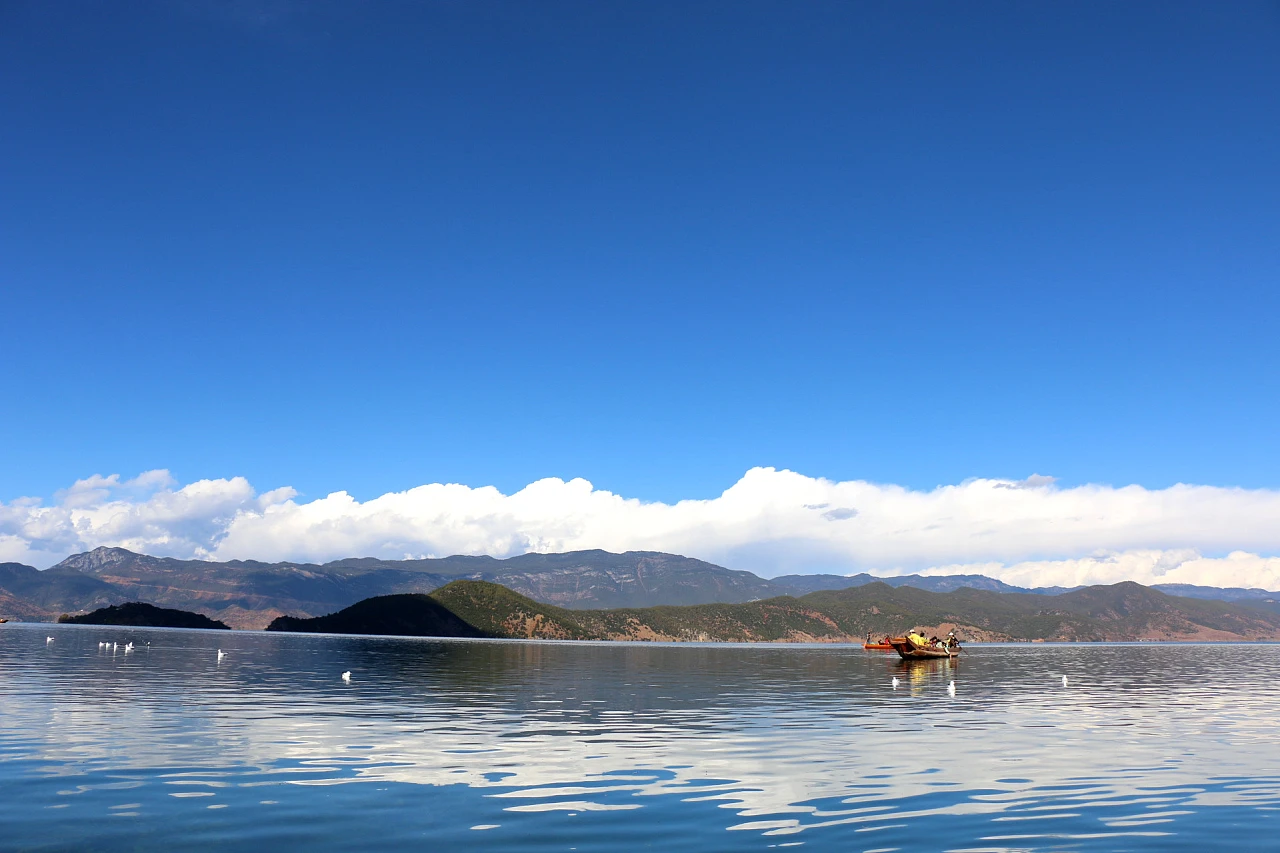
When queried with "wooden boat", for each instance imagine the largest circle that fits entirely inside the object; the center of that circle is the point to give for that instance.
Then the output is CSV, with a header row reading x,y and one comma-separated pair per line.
x,y
885,645
907,649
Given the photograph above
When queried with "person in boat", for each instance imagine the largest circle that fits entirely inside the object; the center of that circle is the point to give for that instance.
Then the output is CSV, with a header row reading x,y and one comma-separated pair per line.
x,y
918,639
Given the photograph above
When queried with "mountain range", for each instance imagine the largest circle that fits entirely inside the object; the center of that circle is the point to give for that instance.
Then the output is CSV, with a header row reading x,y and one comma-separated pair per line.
x,y
250,594
1123,611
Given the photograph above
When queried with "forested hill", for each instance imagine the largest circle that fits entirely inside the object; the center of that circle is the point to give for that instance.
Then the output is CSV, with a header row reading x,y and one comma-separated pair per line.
x,y
138,614
1126,611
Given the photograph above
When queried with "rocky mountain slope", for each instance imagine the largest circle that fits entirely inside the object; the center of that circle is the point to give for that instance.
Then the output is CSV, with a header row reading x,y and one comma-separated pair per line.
x,y
38,594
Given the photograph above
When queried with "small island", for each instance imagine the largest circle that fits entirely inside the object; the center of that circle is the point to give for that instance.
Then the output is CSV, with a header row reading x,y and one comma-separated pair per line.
x,y
139,614
406,614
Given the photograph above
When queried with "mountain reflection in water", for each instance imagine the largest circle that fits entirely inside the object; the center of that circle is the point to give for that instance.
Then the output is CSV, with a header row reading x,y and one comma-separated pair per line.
x,y
553,746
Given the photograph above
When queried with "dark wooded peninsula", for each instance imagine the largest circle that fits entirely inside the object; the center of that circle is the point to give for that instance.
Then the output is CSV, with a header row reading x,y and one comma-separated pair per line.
x,y
1124,611
139,614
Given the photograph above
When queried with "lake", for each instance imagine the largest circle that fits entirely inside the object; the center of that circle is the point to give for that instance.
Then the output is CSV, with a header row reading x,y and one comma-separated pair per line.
x,y
496,745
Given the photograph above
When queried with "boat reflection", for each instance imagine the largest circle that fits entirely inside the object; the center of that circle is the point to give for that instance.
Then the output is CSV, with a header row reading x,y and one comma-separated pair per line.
x,y
926,675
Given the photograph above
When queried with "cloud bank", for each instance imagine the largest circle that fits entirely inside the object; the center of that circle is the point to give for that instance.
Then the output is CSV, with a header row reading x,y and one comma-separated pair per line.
x,y
1029,532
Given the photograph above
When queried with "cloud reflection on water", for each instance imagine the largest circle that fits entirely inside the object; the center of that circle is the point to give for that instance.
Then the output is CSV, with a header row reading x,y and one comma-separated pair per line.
x,y
782,739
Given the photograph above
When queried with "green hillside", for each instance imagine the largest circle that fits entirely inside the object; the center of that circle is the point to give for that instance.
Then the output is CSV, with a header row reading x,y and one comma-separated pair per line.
x,y
1122,611
780,619
500,612
1125,611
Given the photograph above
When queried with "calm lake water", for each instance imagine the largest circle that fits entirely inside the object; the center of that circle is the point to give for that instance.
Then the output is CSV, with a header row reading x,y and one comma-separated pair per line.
x,y
437,745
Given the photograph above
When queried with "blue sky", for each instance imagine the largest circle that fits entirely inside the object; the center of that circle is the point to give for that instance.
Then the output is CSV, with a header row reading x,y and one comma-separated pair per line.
x,y
366,246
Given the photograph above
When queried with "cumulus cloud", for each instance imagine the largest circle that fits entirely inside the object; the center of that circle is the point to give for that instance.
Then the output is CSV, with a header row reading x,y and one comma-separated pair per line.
x,y
1030,532
145,514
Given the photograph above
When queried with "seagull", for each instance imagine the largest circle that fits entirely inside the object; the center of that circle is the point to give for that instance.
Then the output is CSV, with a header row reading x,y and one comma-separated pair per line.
x,y
48,640
221,654
1064,681
129,647
951,688
895,683
346,676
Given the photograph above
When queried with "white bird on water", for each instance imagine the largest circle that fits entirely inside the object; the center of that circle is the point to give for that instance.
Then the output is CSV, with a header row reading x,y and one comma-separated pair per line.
x,y
346,676
48,640
895,683
1064,681
221,654
128,647
951,688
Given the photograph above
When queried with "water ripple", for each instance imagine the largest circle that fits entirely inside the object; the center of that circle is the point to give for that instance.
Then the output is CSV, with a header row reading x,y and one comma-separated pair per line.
x,y
610,747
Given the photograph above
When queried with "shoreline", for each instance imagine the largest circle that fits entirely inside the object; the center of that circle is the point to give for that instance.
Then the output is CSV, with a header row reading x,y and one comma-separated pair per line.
x,y
781,644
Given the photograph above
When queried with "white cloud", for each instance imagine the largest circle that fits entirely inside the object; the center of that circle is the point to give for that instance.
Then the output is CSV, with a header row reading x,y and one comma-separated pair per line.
x,y
1028,532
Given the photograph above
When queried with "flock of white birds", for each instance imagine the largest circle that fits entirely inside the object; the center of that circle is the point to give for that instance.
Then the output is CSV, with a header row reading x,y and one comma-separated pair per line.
x,y
128,648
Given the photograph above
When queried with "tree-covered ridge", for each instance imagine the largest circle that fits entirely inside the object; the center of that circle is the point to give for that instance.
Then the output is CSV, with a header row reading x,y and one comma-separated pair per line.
x,y
1125,611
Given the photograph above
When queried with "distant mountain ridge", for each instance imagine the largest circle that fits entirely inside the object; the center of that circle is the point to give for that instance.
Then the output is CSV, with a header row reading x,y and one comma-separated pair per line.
x,y
1233,593
804,584
250,593
57,588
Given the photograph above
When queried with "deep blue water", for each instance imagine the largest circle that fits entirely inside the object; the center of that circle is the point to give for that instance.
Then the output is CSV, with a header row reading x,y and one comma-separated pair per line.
x,y
608,747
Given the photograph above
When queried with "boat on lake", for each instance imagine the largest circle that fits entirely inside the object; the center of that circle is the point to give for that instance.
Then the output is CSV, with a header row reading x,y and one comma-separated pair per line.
x,y
915,646
885,645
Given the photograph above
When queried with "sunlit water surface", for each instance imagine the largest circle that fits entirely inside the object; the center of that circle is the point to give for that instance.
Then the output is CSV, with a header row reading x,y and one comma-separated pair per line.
x,y
611,747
